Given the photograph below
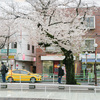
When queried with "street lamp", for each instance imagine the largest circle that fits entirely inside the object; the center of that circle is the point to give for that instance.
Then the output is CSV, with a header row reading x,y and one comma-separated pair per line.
x,y
86,53
95,46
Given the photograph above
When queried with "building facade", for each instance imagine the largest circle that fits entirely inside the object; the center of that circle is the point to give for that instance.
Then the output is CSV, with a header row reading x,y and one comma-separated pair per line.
x,y
91,54
84,64
21,55
47,61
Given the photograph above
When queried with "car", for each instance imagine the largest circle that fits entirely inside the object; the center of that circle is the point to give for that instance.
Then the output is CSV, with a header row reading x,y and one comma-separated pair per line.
x,y
22,75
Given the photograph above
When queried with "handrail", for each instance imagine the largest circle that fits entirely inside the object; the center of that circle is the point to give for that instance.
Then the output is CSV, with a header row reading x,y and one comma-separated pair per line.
x,y
56,85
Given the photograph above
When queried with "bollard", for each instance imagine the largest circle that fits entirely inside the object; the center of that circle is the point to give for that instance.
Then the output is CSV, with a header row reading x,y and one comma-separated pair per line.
x,y
31,86
88,79
53,78
61,87
4,86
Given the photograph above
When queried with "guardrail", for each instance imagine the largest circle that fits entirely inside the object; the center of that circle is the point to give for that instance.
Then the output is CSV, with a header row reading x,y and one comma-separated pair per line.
x,y
56,87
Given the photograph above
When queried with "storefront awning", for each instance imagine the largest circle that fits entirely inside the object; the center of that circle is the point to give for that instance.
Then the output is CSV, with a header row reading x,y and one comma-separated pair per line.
x,y
90,60
52,57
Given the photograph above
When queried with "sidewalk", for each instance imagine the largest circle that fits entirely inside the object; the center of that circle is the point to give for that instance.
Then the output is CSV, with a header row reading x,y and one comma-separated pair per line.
x,y
17,95
53,93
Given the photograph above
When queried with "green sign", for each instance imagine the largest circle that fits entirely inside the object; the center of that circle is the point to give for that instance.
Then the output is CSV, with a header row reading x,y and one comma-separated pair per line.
x,y
10,50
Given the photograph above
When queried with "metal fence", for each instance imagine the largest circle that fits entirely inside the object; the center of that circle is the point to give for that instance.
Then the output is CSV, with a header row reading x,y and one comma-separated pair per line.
x,y
50,87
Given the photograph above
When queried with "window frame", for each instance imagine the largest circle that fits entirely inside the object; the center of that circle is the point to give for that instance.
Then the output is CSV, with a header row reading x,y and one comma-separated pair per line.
x,y
88,49
89,23
32,48
28,46
14,45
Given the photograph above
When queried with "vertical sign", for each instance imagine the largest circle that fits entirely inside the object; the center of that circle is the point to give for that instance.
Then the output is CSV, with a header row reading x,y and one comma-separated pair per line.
x,y
23,57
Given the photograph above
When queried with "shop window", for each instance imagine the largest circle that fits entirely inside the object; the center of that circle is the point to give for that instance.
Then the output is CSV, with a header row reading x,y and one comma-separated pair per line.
x,y
90,22
89,45
14,45
98,67
47,67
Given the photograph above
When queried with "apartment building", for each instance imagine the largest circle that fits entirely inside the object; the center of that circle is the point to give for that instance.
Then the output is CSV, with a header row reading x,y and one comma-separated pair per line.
x,y
22,53
91,51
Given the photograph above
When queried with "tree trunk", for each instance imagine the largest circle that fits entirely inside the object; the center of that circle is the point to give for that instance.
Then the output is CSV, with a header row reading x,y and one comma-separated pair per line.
x,y
69,63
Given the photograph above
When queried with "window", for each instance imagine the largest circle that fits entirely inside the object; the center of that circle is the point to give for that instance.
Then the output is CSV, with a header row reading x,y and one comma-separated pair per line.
x,y
89,44
32,49
16,71
14,45
90,22
24,72
28,46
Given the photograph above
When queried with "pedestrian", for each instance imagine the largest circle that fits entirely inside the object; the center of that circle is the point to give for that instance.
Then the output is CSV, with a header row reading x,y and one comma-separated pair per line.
x,y
60,74
3,72
63,67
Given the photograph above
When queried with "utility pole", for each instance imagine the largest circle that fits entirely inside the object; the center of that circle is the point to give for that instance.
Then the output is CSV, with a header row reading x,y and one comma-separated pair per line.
x,y
86,53
95,73
8,47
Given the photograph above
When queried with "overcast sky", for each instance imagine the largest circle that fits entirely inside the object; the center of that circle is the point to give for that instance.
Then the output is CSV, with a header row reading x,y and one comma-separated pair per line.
x,y
93,1
89,1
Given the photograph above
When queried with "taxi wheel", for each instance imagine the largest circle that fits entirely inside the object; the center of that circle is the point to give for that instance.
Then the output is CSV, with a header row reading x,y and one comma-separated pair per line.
x,y
32,80
10,79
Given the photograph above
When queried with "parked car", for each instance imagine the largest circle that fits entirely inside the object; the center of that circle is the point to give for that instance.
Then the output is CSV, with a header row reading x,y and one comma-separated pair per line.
x,y
22,75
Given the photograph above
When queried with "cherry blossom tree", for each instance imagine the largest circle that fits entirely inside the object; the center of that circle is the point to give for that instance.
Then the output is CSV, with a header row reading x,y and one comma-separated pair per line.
x,y
62,26
56,23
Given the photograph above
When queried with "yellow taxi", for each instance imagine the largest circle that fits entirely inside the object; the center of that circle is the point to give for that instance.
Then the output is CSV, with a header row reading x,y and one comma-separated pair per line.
x,y
22,75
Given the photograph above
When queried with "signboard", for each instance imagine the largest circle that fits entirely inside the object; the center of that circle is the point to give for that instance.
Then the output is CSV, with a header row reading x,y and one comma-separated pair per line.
x,y
10,50
89,56
9,57
52,57
16,66
0,57
34,59
55,70
23,57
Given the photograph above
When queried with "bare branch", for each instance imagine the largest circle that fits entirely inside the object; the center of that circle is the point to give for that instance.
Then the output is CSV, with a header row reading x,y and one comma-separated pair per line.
x,y
77,12
51,16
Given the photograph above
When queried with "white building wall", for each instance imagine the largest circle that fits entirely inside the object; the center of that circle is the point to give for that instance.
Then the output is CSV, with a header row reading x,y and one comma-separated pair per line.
x,y
23,65
22,41
22,45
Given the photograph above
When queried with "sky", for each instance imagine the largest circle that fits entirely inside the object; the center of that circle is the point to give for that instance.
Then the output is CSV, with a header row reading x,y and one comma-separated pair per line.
x,y
93,1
